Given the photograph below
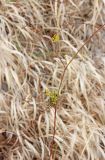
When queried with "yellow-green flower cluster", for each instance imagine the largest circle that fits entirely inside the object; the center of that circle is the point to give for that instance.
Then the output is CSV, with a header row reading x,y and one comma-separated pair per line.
x,y
55,38
53,95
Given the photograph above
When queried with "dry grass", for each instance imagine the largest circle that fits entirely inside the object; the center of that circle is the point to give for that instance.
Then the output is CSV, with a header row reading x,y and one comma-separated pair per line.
x,y
30,62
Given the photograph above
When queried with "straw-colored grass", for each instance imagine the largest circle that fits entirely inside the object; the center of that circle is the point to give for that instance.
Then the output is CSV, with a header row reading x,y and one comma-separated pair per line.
x,y
30,63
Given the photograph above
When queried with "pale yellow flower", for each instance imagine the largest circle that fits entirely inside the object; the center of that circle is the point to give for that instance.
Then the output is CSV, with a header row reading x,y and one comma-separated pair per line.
x,y
56,38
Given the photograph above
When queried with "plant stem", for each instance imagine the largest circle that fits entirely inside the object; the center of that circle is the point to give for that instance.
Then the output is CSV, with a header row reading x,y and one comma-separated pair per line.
x,y
55,108
75,55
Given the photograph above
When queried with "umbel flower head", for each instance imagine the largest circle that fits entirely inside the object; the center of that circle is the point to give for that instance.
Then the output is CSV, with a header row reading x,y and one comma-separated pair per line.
x,y
55,38
53,95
